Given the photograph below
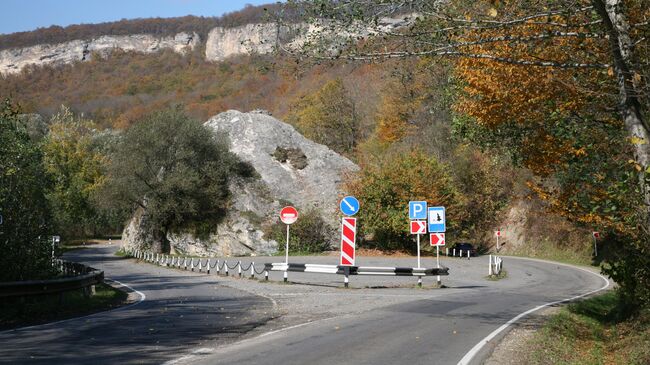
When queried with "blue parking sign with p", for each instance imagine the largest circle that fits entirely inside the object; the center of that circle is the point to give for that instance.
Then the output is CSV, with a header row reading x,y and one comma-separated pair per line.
x,y
417,210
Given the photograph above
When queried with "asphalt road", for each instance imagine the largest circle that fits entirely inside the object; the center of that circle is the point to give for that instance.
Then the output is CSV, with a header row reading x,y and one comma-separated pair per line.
x,y
181,311
437,326
191,318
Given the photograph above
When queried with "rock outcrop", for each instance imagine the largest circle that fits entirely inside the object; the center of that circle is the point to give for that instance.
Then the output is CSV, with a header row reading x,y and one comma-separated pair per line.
x,y
14,60
221,43
292,170
263,38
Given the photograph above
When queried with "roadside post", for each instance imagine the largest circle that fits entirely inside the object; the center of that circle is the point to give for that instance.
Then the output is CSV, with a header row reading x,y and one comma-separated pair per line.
x,y
437,239
437,224
288,216
55,241
417,217
596,236
497,234
349,206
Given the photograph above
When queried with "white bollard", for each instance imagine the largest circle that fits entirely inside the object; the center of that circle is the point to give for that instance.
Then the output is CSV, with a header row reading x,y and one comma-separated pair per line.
x,y
208,266
454,252
192,264
252,270
200,267
490,266
468,254
447,251
239,268
225,265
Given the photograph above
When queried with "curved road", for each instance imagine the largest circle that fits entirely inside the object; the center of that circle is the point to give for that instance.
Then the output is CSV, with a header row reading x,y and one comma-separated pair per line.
x,y
181,311
189,318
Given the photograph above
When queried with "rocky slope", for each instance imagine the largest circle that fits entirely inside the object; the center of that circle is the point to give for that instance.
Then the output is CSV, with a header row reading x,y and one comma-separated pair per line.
x,y
292,169
221,43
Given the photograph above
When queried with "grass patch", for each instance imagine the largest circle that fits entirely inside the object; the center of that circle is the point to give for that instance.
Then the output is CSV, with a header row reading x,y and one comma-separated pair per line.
x,y
502,275
552,252
593,331
18,312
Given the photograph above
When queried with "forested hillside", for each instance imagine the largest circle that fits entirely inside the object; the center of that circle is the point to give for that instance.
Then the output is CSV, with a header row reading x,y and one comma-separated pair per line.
x,y
408,122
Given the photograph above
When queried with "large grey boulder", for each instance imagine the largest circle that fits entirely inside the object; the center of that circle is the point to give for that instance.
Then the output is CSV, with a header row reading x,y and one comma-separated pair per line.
x,y
292,170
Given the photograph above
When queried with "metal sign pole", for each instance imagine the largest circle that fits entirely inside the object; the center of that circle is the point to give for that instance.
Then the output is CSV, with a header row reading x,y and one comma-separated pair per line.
x,y
286,255
497,243
438,261
419,276
595,247
418,251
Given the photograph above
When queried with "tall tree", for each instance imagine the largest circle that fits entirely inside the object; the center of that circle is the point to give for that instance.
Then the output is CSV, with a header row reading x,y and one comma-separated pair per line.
x,y
177,171
328,116
76,169
25,226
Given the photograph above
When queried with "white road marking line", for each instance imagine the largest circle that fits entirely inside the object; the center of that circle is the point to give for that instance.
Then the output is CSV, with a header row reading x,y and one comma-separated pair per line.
x,y
470,355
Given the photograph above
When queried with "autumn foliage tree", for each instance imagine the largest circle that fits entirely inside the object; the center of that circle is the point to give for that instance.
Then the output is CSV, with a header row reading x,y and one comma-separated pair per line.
x,y
77,171
563,82
328,116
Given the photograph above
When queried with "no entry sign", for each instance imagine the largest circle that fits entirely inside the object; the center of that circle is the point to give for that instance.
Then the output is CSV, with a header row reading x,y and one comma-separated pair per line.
x,y
437,239
288,215
348,238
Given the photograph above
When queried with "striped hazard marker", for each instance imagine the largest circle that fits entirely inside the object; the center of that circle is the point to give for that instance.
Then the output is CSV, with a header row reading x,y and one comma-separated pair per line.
x,y
348,238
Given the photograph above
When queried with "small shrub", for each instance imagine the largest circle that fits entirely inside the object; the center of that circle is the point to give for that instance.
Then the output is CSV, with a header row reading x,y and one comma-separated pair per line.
x,y
310,234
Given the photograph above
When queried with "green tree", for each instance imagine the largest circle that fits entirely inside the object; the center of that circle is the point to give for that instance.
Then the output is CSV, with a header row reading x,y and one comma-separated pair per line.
x,y
386,188
77,171
25,228
177,171
329,116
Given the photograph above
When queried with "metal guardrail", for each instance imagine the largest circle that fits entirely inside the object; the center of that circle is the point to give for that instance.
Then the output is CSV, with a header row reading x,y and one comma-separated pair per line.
x,y
358,270
188,263
76,276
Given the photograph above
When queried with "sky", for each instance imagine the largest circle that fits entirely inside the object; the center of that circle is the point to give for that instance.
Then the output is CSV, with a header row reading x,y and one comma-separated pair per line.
x,y
25,15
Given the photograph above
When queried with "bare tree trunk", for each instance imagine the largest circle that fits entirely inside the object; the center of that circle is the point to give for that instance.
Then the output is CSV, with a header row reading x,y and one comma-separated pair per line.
x,y
617,27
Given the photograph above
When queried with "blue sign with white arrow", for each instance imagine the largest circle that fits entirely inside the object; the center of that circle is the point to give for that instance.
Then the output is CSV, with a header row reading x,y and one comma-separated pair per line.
x,y
437,222
349,206
417,210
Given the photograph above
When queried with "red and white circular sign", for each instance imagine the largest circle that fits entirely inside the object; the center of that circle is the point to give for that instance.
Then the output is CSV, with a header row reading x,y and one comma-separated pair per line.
x,y
596,234
497,233
288,215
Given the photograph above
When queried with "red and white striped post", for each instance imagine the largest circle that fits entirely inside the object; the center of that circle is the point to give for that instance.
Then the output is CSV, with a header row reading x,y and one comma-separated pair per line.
x,y
348,239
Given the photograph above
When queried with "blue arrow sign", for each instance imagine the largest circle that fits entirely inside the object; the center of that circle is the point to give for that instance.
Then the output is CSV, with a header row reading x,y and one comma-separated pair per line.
x,y
349,205
417,210
437,222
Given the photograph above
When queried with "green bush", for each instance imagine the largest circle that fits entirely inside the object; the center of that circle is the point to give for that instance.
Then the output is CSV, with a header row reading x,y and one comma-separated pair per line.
x,y
310,234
